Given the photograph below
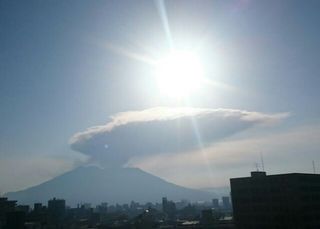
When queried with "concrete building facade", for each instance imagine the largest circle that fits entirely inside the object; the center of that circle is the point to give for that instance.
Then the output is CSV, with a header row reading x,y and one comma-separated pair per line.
x,y
276,201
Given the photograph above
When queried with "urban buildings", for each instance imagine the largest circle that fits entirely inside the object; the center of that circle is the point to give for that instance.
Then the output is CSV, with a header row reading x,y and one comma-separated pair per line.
x,y
168,214
276,201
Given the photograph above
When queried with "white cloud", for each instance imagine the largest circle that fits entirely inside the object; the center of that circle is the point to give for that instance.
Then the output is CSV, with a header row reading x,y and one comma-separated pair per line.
x,y
164,130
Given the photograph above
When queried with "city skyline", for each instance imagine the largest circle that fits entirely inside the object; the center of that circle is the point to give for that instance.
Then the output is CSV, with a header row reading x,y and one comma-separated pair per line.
x,y
87,83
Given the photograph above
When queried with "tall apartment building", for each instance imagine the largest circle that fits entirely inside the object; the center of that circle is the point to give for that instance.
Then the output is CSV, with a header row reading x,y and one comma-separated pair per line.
x,y
276,201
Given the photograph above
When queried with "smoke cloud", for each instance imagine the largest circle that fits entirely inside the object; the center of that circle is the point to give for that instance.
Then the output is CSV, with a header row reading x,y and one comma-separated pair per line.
x,y
163,130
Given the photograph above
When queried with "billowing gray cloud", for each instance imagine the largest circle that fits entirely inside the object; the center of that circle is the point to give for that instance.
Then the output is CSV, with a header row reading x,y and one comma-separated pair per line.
x,y
163,130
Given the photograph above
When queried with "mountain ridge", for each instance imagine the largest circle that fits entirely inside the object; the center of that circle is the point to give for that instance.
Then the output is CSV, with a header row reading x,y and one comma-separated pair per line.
x,y
94,185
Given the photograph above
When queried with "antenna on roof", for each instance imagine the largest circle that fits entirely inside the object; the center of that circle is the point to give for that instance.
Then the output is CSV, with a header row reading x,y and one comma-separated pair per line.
x,y
262,161
257,166
314,167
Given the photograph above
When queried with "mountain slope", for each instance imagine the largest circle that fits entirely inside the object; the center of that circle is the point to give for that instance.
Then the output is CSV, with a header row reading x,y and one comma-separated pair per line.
x,y
113,185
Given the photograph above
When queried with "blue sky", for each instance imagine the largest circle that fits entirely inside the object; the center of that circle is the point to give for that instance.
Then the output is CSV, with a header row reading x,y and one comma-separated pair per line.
x,y
63,69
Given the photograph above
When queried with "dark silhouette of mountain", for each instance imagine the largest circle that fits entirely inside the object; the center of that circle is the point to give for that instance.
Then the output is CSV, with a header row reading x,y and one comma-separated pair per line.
x,y
113,185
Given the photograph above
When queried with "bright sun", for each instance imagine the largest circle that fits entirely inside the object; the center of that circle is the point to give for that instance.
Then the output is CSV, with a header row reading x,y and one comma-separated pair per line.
x,y
179,74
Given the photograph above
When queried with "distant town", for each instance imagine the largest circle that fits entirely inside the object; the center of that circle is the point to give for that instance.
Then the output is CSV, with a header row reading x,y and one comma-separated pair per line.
x,y
259,201
167,214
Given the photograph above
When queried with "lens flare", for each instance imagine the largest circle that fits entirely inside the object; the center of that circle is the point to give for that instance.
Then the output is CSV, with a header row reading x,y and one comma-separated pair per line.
x,y
179,74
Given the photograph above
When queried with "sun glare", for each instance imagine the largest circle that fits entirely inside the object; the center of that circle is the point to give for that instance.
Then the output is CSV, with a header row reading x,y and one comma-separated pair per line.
x,y
179,74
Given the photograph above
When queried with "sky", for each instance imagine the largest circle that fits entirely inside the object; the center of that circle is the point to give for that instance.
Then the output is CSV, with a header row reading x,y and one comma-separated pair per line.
x,y
76,76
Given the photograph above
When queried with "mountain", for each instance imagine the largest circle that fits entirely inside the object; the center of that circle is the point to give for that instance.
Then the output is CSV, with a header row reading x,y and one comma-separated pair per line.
x,y
113,185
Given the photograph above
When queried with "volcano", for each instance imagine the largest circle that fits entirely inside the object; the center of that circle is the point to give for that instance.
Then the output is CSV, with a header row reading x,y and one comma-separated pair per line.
x,y
113,185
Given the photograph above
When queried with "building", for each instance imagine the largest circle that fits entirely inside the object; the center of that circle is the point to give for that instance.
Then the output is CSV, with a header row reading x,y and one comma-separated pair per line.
x,y
215,203
23,208
226,202
57,206
207,218
15,220
56,210
6,206
169,208
37,207
276,201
